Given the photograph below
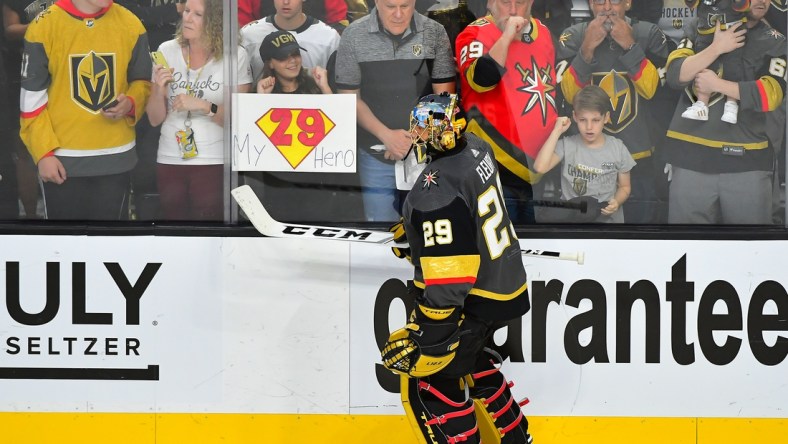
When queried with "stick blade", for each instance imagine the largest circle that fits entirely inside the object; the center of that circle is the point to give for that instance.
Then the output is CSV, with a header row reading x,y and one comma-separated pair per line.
x,y
270,227
254,209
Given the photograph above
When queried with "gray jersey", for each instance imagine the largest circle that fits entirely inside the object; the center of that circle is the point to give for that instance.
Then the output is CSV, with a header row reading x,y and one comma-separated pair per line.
x,y
676,19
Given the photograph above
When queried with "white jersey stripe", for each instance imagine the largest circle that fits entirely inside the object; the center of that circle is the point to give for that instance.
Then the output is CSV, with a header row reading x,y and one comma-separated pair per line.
x,y
32,100
67,152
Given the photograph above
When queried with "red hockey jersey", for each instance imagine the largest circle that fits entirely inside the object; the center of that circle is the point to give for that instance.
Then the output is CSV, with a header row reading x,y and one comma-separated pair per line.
x,y
515,115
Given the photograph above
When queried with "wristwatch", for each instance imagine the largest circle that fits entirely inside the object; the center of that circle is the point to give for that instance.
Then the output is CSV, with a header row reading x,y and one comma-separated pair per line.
x,y
214,109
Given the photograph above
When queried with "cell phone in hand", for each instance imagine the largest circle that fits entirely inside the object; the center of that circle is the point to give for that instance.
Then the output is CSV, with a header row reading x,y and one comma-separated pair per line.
x,y
111,104
158,59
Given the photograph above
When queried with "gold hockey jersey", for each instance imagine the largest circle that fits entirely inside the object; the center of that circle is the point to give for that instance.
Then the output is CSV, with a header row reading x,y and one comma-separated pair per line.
x,y
73,66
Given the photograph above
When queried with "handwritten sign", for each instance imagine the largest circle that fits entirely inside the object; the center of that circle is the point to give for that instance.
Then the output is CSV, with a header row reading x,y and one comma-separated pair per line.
x,y
294,132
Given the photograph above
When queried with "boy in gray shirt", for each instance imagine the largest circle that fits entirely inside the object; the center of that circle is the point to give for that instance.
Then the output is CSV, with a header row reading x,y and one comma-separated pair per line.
x,y
593,164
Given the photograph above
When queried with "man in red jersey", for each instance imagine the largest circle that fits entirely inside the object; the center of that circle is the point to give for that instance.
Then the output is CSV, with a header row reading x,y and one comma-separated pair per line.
x,y
507,72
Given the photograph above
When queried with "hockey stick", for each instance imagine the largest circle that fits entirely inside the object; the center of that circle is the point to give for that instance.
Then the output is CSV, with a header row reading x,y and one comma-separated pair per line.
x,y
578,257
582,206
268,226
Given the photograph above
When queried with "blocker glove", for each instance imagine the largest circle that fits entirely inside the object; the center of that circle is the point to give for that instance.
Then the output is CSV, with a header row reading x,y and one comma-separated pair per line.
x,y
426,345
400,237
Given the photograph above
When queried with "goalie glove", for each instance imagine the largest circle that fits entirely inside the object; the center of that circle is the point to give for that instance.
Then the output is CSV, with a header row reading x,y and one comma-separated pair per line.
x,y
400,237
426,345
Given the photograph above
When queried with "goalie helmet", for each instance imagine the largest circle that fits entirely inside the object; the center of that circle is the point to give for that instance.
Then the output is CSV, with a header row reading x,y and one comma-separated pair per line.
x,y
436,123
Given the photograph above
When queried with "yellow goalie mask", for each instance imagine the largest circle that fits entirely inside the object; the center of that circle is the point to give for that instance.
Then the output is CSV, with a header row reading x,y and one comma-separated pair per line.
x,y
436,123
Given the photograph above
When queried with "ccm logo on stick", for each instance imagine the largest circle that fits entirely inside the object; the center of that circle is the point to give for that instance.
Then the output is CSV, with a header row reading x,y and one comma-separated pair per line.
x,y
334,233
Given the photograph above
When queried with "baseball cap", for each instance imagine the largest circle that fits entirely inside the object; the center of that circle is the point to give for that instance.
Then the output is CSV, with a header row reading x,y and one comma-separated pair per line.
x,y
279,45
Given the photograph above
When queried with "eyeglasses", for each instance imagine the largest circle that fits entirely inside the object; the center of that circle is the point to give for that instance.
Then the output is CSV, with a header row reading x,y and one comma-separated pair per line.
x,y
612,2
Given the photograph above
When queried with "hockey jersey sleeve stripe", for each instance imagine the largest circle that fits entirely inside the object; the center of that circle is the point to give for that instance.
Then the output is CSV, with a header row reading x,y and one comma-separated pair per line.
x,y
643,65
515,166
741,5
576,77
716,143
482,74
32,102
35,126
448,281
770,93
450,269
680,53
38,135
571,84
34,113
499,296
646,79
672,69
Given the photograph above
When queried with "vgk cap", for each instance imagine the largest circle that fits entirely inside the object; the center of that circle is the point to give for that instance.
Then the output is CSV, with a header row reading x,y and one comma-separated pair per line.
x,y
279,45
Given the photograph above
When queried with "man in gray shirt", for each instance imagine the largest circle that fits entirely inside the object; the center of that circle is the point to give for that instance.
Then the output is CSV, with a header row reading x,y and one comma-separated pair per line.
x,y
389,59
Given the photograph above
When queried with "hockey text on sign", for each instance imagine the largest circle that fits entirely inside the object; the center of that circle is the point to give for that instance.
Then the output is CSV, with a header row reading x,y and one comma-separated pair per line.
x,y
295,132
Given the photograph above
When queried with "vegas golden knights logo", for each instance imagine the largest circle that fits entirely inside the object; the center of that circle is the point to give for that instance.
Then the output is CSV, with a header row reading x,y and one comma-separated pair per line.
x,y
782,5
580,186
623,98
93,80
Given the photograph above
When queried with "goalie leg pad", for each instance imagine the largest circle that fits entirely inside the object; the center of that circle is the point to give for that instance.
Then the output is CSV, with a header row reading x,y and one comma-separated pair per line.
x,y
439,411
499,416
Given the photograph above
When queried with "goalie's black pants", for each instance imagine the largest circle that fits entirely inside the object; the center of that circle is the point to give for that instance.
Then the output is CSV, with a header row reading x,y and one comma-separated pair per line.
x,y
469,401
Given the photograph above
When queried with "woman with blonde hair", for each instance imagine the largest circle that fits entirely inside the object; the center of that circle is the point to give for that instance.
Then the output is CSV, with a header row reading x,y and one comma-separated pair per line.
x,y
187,100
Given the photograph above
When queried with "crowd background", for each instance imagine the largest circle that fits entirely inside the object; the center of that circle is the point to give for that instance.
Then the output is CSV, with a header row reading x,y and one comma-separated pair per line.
x,y
338,38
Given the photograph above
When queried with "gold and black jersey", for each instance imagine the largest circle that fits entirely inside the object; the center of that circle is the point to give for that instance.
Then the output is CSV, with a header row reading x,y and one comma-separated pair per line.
x,y
463,245
75,65
715,146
